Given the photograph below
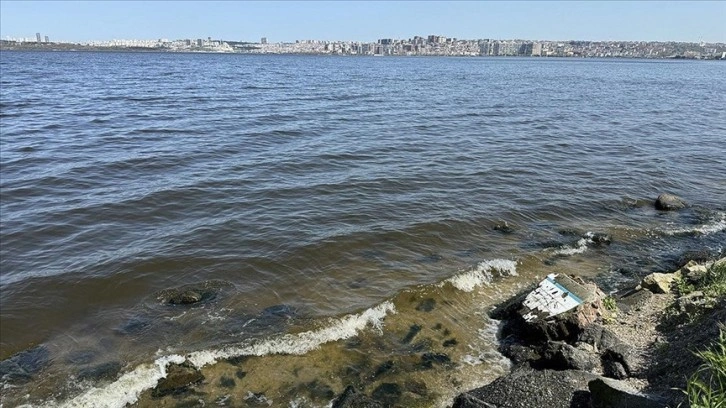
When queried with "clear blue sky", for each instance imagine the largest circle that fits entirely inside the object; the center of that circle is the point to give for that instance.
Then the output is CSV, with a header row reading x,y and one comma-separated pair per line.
x,y
366,21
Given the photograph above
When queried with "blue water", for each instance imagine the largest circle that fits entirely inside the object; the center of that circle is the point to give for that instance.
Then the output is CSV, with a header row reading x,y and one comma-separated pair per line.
x,y
329,183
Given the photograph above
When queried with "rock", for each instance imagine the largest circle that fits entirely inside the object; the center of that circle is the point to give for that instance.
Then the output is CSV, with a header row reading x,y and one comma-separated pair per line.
x,y
319,391
417,387
383,368
351,398
504,227
428,360
104,371
692,302
658,282
525,387
279,312
387,393
426,305
192,293
614,369
186,297
178,379
520,354
562,356
700,255
669,202
450,343
601,239
412,332
21,367
694,272
619,358
227,382
634,299
607,393
599,337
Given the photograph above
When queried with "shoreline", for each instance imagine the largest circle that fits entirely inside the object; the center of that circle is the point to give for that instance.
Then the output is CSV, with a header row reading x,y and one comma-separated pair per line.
x,y
647,337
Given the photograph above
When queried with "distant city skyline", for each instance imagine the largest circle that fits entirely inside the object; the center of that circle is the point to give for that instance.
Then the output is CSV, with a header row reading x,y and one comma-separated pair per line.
x,y
280,21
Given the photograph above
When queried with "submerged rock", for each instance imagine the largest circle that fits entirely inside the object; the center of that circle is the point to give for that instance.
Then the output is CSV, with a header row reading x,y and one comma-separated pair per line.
x,y
191,294
179,377
387,393
504,227
103,371
351,398
21,367
426,305
669,202
186,297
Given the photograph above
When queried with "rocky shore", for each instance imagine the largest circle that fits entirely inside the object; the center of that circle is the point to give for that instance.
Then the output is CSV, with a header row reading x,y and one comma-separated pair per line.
x,y
634,348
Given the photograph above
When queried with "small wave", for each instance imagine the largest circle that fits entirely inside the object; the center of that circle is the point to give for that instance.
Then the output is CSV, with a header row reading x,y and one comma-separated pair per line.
x,y
482,274
705,229
579,247
127,389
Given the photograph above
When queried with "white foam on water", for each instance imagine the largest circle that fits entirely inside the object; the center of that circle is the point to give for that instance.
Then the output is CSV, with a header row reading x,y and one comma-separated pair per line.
x,y
705,229
580,246
127,389
482,274
301,343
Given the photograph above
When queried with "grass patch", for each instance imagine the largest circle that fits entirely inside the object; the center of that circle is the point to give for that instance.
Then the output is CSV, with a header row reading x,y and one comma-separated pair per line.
x,y
706,388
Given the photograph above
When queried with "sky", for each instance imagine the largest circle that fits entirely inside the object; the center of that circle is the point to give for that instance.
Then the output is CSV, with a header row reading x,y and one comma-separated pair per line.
x,y
287,21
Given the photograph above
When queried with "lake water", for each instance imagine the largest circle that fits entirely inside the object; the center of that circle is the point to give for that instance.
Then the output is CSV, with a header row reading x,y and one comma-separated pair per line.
x,y
349,220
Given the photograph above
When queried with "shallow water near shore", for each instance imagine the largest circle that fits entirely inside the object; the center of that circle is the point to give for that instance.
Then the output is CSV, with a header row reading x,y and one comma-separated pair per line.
x,y
351,219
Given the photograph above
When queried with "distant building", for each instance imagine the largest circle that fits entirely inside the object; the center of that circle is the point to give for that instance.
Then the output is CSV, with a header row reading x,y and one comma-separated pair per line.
x,y
525,49
200,42
537,49
263,40
47,40
37,37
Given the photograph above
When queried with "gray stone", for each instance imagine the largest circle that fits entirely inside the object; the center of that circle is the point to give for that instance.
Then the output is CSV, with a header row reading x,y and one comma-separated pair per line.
x,y
669,202
658,282
562,356
634,299
607,393
530,388
694,272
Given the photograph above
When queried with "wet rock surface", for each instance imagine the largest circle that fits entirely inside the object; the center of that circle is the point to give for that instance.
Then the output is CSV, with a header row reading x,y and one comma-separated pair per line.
x,y
525,387
179,377
635,350
669,202
352,398
191,294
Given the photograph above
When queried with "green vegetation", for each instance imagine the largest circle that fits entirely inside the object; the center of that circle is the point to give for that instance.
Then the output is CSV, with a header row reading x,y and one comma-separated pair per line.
x,y
609,303
712,284
706,388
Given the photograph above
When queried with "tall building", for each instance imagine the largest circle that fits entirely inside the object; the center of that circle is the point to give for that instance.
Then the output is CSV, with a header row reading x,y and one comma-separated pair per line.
x,y
46,39
37,37
263,40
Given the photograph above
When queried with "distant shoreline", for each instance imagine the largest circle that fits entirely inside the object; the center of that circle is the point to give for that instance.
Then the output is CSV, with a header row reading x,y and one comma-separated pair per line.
x,y
66,47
